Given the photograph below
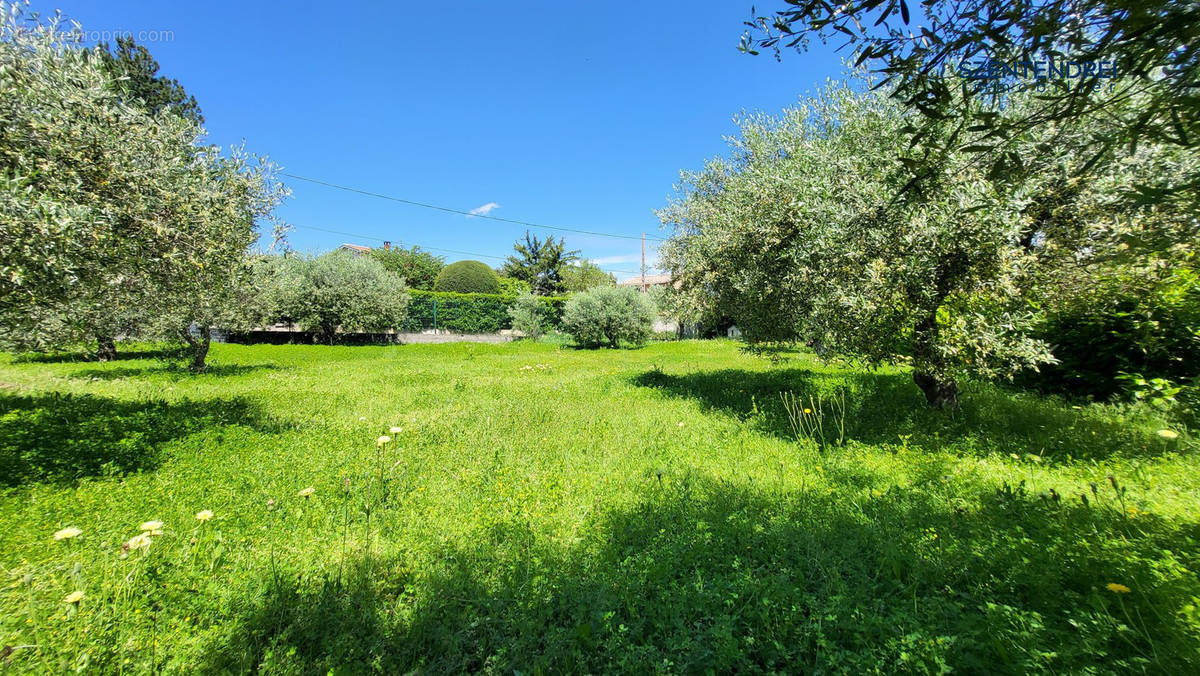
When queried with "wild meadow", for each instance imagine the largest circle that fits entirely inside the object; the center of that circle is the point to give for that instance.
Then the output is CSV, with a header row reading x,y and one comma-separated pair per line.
x,y
534,508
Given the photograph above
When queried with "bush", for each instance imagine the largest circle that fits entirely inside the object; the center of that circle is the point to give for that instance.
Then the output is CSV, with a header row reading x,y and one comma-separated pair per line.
x,y
511,286
608,315
467,277
338,291
473,312
526,315
1118,327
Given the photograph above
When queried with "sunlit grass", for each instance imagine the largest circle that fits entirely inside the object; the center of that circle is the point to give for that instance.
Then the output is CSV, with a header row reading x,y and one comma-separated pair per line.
x,y
501,507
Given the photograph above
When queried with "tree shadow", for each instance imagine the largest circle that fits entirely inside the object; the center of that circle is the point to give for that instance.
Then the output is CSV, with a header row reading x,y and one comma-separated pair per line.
x,y
173,370
703,576
61,438
124,353
887,408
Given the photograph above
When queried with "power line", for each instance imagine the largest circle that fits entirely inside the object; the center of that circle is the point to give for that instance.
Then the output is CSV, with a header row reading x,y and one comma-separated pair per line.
x,y
459,211
430,248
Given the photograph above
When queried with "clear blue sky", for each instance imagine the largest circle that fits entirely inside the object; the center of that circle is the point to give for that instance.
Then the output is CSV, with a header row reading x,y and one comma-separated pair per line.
x,y
567,113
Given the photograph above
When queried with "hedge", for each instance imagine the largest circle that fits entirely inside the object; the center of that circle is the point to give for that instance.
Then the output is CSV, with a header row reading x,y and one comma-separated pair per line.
x,y
472,312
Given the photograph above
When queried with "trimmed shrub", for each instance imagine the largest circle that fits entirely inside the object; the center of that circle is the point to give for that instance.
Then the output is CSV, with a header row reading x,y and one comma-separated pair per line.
x,y
609,315
467,277
526,315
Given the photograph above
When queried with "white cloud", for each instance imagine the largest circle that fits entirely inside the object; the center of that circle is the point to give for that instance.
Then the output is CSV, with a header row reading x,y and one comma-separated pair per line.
x,y
484,209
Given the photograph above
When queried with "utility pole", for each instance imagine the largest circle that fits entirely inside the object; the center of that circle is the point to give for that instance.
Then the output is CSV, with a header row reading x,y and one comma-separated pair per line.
x,y
645,287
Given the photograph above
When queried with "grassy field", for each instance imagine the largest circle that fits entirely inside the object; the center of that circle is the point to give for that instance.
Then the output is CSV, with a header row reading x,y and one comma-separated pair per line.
x,y
549,509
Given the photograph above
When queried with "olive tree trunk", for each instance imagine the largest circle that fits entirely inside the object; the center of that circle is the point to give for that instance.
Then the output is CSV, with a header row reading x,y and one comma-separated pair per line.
x,y
106,347
940,390
198,347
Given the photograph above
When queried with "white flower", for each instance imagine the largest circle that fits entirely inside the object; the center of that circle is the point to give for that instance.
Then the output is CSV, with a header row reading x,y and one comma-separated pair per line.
x,y
204,515
151,525
382,440
67,533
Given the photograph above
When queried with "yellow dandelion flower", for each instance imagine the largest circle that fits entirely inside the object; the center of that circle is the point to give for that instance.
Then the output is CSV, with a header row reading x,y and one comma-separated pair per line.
x,y
151,525
395,430
139,541
1117,588
74,597
305,492
808,410
204,515
67,533
1168,434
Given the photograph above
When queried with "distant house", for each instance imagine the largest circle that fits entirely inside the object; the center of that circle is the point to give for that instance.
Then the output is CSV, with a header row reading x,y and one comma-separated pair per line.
x,y
358,249
644,283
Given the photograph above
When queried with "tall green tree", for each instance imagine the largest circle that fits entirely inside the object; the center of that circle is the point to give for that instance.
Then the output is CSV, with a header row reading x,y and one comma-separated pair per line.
x,y
796,236
134,74
102,202
540,263
585,275
418,268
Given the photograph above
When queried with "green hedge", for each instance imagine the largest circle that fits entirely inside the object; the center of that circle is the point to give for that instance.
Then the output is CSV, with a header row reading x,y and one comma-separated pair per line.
x,y
472,312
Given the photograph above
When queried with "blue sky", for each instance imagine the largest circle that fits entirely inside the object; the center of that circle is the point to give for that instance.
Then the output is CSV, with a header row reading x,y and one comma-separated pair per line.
x,y
564,113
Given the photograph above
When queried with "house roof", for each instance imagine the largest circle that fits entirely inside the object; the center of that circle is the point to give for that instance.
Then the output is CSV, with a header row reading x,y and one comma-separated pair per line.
x,y
650,280
356,248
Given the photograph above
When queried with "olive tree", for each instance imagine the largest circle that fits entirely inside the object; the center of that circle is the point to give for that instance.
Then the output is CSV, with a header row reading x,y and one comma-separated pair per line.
x,y
106,209
797,235
607,315
339,292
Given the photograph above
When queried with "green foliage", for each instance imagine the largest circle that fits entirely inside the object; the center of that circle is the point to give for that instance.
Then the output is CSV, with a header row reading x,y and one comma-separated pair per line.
x,y
467,277
1140,48
134,74
93,192
585,275
337,292
473,312
510,286
526,313
608,315
541,264
419,269
1145,327
545,510
797,236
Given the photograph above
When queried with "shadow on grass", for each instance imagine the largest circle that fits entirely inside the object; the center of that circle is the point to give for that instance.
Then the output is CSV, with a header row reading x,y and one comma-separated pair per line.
x,y
124,352
704,576
887,408
177,371
62,438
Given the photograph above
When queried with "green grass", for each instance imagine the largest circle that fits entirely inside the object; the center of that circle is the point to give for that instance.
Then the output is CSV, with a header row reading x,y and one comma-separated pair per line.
x,y
548,509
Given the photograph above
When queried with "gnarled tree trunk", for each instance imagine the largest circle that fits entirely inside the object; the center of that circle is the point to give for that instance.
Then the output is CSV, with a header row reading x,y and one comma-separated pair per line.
x,y
106,347
939,392
198,346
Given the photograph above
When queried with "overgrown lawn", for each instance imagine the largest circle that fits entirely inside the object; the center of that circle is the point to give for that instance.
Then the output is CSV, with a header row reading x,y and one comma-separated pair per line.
x,y
547,509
